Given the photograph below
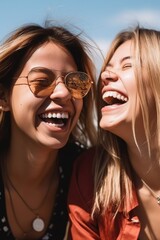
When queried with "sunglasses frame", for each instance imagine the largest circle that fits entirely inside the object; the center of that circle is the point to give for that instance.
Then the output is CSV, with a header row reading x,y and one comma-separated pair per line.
x,y
76,93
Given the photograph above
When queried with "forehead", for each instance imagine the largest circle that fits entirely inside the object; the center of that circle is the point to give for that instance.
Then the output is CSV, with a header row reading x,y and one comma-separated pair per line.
x,y
51,55
123,51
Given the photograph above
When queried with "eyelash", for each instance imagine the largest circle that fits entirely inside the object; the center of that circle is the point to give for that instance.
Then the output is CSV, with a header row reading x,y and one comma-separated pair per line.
x,y
123,67
127,65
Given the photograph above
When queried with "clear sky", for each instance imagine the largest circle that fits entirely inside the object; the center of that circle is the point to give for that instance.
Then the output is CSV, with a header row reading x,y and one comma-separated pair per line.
x,y
100,19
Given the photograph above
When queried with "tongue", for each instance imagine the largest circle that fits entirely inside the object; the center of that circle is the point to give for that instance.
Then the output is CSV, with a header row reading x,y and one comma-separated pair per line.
x,y
112,101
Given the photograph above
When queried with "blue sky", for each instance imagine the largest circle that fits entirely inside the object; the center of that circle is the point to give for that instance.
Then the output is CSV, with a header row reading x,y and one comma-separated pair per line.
x,y
100,19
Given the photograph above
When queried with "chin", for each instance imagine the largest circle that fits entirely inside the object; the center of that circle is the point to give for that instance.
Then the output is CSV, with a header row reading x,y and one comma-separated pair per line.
x,y
59,144
110,125
107,123
55,143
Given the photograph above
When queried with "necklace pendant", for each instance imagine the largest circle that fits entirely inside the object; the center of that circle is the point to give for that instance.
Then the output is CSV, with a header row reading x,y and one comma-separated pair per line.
x,y
38,224
158,200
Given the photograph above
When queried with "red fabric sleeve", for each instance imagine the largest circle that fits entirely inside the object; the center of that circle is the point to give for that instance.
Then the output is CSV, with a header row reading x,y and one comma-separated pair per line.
x,y
80,199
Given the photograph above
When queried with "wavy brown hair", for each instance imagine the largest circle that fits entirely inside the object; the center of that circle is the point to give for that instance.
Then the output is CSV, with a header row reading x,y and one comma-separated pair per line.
x,y
17,49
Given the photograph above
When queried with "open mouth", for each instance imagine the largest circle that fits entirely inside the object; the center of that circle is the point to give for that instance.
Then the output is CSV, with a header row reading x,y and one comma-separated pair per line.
x,y
55,119
113,97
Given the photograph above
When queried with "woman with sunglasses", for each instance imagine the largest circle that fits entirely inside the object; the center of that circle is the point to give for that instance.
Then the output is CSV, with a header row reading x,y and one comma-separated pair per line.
x,y
126,200
46,97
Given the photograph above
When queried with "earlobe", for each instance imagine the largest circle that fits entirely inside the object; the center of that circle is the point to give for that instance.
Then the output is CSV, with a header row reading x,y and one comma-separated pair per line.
x,y
4,105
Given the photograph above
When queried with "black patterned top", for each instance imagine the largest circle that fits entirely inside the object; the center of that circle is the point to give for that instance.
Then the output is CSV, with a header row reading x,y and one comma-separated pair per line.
x,y
57,226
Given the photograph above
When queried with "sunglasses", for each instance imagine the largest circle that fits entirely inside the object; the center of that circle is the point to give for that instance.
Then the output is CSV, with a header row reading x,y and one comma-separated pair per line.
x,y
42,82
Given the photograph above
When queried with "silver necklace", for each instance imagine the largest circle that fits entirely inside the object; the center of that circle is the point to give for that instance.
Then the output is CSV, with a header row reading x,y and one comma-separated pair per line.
x,y
152,192
38,223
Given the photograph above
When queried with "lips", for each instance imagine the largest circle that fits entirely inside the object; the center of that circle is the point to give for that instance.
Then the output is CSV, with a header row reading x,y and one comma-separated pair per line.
x,y
114,97
57,119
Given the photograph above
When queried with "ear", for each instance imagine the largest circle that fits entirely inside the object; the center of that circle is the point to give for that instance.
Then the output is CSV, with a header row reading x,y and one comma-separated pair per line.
x,y
4,100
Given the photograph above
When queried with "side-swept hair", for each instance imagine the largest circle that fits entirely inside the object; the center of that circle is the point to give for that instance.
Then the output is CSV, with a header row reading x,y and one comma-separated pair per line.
x,y
113,174
17,49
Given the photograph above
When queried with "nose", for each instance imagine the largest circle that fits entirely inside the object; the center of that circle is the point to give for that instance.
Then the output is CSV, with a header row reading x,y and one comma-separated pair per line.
x,y
108,76
60,91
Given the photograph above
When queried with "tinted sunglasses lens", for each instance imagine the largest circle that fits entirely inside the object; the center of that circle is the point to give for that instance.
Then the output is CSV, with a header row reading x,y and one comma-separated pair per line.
x,y
41,83
41,92
78,83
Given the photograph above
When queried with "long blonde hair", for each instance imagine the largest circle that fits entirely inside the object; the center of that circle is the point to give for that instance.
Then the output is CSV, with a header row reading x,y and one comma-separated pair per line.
x,y
113,174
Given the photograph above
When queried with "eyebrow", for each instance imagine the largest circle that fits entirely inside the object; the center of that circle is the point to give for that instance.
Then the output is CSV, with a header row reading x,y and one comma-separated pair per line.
x,y
121,61
48,70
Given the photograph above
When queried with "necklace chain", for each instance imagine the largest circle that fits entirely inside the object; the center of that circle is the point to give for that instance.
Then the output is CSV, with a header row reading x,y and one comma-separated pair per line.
x,y
152,192
25,233
38,224
33,210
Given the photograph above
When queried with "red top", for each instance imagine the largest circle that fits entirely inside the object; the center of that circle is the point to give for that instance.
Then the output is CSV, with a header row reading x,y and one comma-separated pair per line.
x,y
83,227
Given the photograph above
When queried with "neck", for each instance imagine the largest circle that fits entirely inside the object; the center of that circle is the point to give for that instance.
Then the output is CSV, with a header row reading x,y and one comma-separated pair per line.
x,y
37,169
145,163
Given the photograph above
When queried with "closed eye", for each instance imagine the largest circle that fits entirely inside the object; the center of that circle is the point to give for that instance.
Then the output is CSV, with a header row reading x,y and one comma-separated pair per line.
x,y
126,66
41,82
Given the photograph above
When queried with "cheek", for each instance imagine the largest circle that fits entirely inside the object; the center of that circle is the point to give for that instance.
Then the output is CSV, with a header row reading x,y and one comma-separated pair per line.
x,y
21,113
23,105
78,104
129,78
78,107
22,97
130,85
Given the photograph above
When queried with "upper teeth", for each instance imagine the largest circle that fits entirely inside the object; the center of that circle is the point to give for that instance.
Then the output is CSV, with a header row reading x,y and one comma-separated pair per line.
x,y
55,115
114,95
